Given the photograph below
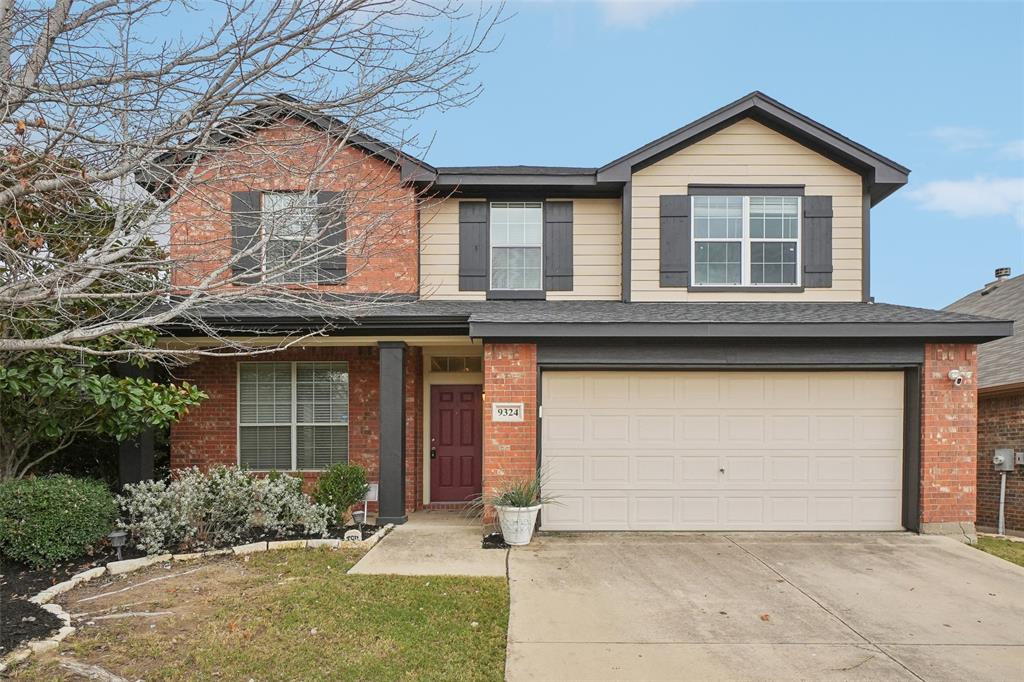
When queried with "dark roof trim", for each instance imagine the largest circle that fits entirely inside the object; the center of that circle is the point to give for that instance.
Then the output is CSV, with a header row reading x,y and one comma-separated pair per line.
x,y
419,325
974,332
884,176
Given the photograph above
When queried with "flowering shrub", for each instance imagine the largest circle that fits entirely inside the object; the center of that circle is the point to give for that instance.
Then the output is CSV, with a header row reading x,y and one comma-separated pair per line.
x,y
215,508
51,518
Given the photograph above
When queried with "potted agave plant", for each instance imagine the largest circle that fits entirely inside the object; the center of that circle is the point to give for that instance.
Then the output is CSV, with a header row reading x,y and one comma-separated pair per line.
x,y
518,502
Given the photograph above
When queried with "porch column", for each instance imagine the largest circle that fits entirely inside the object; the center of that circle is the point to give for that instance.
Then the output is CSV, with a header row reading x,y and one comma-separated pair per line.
x,y
135,455
391,502
135,458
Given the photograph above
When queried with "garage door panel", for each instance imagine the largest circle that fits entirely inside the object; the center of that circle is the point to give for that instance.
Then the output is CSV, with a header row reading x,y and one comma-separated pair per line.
x,y
789,510
565,430
698,512
697,390
566,471
878,428
653,429
568,514
655,470
789,429
877,389
652,389
742,429
743,390
789,389
721,450
699,428
608,429
788,469
608,389
878,510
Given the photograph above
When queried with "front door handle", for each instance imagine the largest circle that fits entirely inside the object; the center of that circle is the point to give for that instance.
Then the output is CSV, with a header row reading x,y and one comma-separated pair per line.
x,y
433,453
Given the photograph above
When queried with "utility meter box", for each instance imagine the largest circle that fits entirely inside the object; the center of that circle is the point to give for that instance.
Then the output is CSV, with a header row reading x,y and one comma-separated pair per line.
x,y
1003,459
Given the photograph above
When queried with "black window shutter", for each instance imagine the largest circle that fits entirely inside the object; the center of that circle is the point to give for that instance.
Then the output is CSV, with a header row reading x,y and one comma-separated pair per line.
x,y
331,230
675,240
817,242
245,234
558,246
473,245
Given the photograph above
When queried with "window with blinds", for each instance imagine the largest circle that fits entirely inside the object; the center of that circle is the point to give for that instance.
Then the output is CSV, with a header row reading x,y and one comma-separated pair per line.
x,y
292,415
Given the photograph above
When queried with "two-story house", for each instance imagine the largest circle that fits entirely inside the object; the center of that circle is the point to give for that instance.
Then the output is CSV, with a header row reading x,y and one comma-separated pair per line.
x,y
681,339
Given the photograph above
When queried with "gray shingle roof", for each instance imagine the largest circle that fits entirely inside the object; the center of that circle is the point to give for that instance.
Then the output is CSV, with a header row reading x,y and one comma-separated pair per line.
x,y
515,170
1000,362
554,318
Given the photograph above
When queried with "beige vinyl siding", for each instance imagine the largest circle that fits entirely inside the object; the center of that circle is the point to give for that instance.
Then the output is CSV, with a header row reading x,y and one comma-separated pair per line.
x,y
596,246
747,153
596,251
439,252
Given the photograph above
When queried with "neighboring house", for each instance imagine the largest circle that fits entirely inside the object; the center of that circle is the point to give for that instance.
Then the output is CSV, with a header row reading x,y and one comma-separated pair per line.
x,y
1000,398
682,339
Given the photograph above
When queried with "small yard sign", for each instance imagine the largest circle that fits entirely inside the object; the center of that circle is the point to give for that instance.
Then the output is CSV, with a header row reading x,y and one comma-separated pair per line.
x,y
506,412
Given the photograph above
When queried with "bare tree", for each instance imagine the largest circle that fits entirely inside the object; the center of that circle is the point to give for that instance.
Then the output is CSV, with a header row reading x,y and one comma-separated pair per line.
x,y
135,131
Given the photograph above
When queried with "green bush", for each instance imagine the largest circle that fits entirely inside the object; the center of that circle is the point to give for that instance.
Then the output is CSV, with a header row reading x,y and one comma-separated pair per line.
x,y
51,518
340,487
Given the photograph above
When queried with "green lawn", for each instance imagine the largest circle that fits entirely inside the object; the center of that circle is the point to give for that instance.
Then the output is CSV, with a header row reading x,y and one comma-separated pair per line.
x,y
296,615
1004,549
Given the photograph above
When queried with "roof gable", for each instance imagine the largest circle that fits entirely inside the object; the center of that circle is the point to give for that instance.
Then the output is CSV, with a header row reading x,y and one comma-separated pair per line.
x,y
883,176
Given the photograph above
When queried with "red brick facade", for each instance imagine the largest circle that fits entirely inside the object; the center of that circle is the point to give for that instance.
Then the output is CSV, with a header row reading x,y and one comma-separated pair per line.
x,y
208,434
381,227
1000,425
950,474
948,435
510,448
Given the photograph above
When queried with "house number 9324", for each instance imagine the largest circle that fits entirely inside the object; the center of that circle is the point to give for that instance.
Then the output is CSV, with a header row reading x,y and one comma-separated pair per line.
x,y
507,412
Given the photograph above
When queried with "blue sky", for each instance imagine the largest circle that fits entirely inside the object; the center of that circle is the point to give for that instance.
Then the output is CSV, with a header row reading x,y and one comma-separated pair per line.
x,y
939,87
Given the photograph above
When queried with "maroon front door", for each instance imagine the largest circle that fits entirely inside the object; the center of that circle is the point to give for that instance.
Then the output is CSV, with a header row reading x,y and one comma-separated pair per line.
x,y
456,430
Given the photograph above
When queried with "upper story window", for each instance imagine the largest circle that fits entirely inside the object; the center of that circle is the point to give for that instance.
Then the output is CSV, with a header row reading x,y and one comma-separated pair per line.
x,y
517,243
289,221
746,241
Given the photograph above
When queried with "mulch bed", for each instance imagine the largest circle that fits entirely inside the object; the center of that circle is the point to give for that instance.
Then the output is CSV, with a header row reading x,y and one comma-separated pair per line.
x,y
22,621
332,532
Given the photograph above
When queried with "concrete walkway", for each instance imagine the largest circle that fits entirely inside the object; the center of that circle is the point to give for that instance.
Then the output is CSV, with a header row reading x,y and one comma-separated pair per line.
x,y
762,607
434,543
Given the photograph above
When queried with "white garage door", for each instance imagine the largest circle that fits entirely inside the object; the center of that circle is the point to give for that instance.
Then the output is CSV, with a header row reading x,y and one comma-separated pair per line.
x,y
723,450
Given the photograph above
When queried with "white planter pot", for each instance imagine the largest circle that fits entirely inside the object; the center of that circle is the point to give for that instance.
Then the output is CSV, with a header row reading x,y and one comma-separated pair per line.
x,y
517,523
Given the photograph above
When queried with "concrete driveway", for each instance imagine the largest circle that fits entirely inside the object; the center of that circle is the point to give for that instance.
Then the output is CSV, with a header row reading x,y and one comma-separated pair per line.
x,y
614,606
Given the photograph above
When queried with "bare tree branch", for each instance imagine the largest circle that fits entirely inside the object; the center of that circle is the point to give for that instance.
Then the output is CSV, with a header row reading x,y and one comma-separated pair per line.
x,y
101,98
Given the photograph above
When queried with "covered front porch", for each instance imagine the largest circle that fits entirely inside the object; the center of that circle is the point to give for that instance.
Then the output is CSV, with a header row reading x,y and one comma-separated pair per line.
x,y
409,410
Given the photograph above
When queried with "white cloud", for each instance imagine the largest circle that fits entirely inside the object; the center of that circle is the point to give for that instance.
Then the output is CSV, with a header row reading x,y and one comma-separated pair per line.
x,y
1014,149
977,198
961,139
638,13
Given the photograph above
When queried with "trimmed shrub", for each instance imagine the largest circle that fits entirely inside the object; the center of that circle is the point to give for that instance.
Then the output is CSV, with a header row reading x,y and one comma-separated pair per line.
x,y
217,508
340,487
51,518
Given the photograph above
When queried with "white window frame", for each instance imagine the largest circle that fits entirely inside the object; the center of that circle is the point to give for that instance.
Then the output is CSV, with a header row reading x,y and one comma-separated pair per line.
x,y
294,423
746,240
265,239
491,247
